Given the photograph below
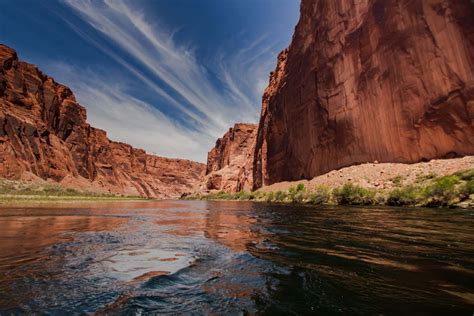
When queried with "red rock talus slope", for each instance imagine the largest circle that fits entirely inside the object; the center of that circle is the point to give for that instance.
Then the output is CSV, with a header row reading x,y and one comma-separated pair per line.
x,y
225,160
385,80
44,135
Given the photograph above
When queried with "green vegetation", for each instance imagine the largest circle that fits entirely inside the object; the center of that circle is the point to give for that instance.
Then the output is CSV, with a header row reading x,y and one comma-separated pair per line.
x,y
424,177
428,191
297,194
467,189
447,191
465,175
441,192
12,191
351,194
397,181
408,195
280,196
320,195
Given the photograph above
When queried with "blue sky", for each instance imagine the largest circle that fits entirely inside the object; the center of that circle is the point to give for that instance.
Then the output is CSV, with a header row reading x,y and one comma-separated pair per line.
x,y
168,76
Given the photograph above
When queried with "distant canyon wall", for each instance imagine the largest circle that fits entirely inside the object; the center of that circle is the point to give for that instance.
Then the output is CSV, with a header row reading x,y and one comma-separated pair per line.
x,y
363,81
226,160
44,135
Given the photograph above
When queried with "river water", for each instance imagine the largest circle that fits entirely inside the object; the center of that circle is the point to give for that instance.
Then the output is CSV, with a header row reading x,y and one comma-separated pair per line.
x,y
199,257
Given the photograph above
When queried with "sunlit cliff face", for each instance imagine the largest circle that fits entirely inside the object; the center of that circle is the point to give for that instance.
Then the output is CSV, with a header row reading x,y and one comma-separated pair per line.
x,y
363,81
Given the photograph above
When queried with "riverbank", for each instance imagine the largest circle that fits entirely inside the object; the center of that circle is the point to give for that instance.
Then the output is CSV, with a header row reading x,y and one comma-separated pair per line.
x,y
12,192
437,183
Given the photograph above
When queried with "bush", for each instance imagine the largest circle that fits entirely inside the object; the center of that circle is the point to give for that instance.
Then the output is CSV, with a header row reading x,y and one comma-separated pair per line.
x,y
442,191
397,181
469,187
280,196
351,194
299,197
380,199
270,197
243,196
221,195
466,189
300,187
409,195
259,195
424,177
465,175
297,194
320,195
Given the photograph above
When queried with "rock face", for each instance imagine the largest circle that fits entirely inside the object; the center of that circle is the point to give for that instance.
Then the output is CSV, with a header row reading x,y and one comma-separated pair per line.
x,y
44,135
225,160
370,80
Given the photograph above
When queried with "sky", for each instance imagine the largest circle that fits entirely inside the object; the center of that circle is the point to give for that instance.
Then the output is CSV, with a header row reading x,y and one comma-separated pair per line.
x,y
168,76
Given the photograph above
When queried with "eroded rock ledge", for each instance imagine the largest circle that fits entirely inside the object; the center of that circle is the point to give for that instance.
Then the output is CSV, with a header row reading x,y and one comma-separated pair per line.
x,y
226,160
44,136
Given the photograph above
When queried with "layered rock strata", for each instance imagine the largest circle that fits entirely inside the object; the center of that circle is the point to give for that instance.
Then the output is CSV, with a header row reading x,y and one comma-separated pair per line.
x,y
44,135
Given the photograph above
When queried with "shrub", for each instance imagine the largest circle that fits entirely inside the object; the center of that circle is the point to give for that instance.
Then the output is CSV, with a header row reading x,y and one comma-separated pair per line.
x,y
299,197
297,194
221,195
466,175
292,191
280,196
397,181
300,187
409,195
320,195
423,177
466,189
243,195
380,199
270,197
442,191
469,186
259,195
354,194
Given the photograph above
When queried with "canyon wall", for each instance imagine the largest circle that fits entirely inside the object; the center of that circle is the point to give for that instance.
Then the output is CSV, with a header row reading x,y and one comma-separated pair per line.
x,y
364,81
44,135
226,159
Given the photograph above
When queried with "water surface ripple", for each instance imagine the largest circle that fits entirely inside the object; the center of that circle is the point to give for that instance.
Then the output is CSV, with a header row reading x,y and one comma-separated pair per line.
x,y
182,257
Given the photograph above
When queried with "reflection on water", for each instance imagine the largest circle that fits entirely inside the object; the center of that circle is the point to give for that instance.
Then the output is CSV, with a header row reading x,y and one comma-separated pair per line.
x,y
234,257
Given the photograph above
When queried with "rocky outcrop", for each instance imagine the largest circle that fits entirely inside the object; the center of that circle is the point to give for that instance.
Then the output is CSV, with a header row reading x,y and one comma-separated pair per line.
x,y
371,80
226,159
44,135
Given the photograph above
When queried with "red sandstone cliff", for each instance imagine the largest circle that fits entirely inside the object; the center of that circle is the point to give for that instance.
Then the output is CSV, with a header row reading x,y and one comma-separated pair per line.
x,y
385,80
226,159
44,135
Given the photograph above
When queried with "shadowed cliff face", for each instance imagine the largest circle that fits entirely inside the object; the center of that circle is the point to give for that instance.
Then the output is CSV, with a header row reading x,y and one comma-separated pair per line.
x,y
226,160
44,135
386,80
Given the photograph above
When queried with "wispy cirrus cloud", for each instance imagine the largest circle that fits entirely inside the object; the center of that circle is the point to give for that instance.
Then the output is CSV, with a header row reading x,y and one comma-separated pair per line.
x,y
210,97
128,119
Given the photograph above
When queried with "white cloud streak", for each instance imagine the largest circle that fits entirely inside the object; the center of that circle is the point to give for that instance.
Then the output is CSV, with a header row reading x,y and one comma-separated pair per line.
x,y
174,73
128,119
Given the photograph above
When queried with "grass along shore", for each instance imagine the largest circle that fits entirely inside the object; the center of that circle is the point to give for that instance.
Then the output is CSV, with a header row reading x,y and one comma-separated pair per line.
x,y
455,190
19,191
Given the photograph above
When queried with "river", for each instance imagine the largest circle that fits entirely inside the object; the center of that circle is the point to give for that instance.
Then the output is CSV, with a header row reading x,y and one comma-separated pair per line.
x,y
234,258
